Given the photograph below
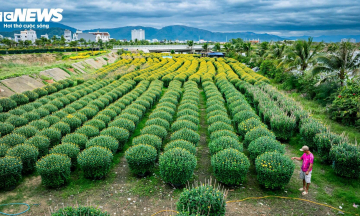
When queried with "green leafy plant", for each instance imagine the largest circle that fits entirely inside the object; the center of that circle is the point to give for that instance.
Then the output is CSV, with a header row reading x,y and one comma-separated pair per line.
x,y
53,134
148,139
224,142
202,200
27,131
219,126
265,144
283,126
72,121
54,170
108,142
141,158
17,121
325,141
95,162
120,134
123,123
221,133
177,166
309,130
7,104
80,210
89,131
346,160
180,124
249,124
3,149
12,139
10,171
274,170
52,119
186,134
63,127
20,99
96,123
42,143
6,128
32,96
181,144
159,122
28,155
155,130
230,166
69,149
256,133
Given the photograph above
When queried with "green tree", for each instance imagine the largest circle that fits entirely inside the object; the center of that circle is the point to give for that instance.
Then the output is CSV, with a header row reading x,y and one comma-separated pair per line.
x,y
62,40
301,55
247,48
190,44
172,52
228,47
205,47
339,64
217,47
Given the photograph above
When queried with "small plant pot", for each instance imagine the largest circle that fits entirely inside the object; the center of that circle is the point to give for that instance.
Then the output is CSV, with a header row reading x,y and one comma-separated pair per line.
x,y
49,81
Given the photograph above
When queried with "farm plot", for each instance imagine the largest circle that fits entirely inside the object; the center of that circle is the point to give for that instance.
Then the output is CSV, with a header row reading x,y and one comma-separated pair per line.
x,y
148,121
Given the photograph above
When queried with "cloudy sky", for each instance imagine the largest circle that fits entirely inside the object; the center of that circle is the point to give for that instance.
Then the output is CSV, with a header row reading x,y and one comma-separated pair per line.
x,y
280,17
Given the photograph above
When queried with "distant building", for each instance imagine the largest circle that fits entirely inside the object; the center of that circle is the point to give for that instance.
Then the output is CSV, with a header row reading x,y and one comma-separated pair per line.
x,y
87,37
104,36
45,36
67,35
26,35
138,34
254,41
155,40
351,40
75,35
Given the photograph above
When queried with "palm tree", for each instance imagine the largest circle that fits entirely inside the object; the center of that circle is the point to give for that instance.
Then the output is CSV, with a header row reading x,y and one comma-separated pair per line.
x,y
339,64
217,47
301,55
205,47
247,48
228,47
190,44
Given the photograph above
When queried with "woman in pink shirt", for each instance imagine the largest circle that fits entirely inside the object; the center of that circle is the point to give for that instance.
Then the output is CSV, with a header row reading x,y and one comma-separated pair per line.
x,y
306,168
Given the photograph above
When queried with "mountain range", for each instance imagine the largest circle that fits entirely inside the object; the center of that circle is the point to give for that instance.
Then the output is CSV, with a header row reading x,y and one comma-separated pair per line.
x,y
174,32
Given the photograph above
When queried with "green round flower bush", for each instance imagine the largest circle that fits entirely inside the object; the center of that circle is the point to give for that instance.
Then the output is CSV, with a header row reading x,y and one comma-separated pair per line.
x,y
7,104
31,116
89,131
51,108
12,139
224,142
61,114
346,160
88,112
4,116
54,170
69,149
115,109
230,166
28,155
189,106
3,149
180,124
120,134
274,170
42,112
129,116
57,103
218,118
108,112
80,116
76,105
77,139
108,142
256,133
27,131
43,101
69,110
244,115
72,121
27,107
202,200
155,130
265,144
218,106
181,144
177,166
219,126
148,139
191,118
248,125
36,104
6,128
283,126
62,127
20,99
18,111
221,133
186,134
52,119
10,171
325,141
96,123
41,92
65,100
309,130
40,124
161,114
95,162
187,112
123,123
141,158
42,143
17,121
158,121
31,95
81,210
53,134
216,112
104,118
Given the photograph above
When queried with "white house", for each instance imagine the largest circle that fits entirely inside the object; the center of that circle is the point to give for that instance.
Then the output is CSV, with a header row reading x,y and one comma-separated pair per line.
x,y
67,35
138,34
76,35
45,36
26,35
104,36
